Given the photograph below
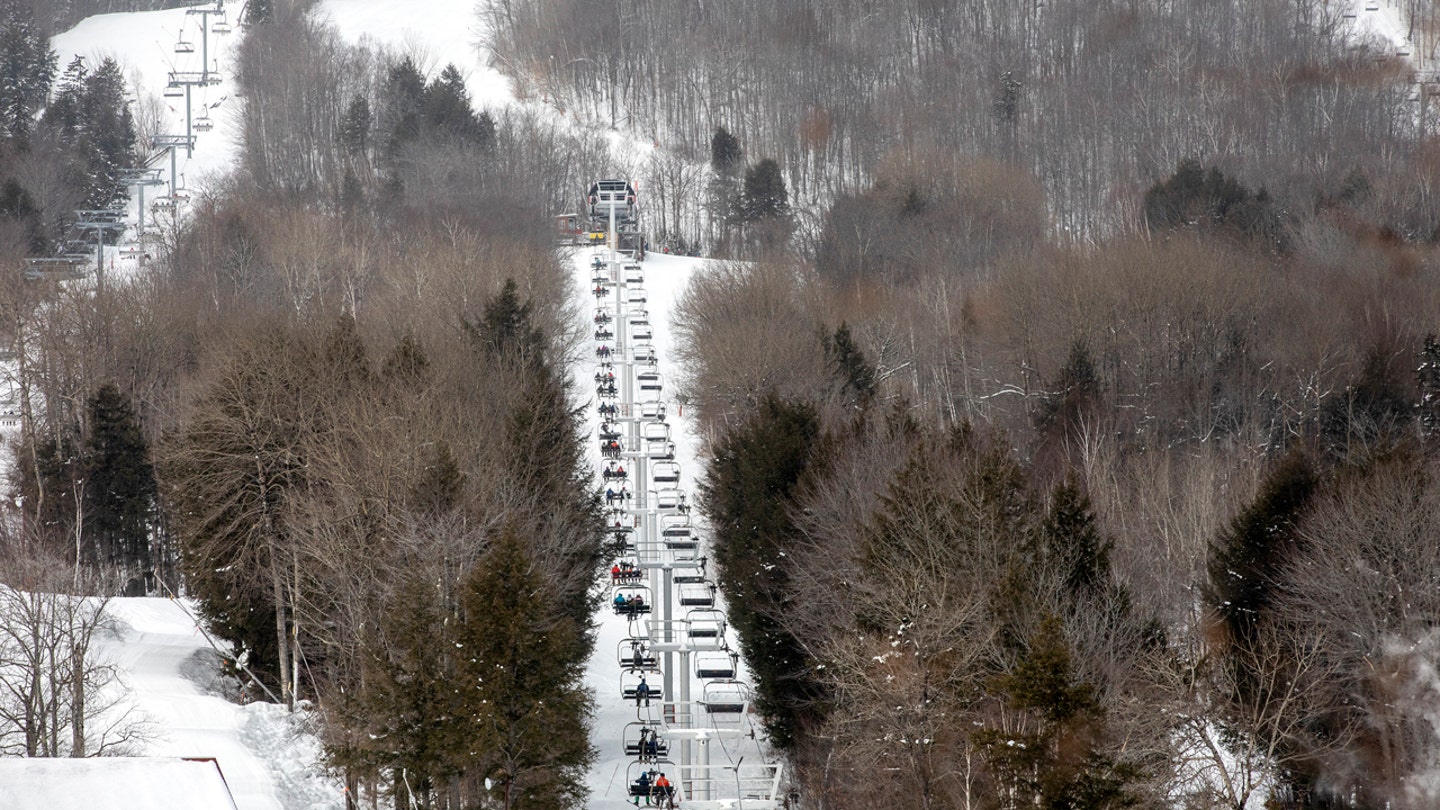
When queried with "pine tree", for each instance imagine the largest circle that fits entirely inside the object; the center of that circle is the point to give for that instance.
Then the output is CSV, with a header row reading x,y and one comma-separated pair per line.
x,y
27,67
1058,762
856,374
119,486
523,700
1427,378
411,702
109,142
1249,555
260,11
505,331
1072,542
355,127
764,196
726,156
448,112
346,360
16,205
1374,411
407,363
402,110
727,163
749,492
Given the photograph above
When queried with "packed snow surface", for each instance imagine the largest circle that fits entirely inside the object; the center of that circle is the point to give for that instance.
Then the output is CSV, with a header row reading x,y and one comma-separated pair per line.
x,y
113,783
268,756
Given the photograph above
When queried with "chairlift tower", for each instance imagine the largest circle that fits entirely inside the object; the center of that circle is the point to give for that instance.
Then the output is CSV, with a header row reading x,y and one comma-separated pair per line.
x,y
185,80
101,222
140,178
204,11
172,143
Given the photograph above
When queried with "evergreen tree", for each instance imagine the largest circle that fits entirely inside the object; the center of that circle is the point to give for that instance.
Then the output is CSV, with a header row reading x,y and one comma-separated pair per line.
x,y
1193,197
1249,555
1372,412
441,482
412,708
1073,545
727,163
355,127
403,98
27,67
764,196
16,205
65,112
109,143
407,363
523,700
448,113
857,375
505,331
346,360
119,488
1057,760
749,491
726,156
260,11
1427,378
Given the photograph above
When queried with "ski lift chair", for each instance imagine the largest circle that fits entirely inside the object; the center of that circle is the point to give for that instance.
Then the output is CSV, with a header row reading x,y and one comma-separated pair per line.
x,y
630,679
699,595
173,90
184,46
705,623
634,274
604,332
635,653
728,698
646,790
635,295
689,575
650,381
653,748
670,498
204,124
636,600
642,330
660,450
665,472
644,353
652,409
603,315
680,538
715,665
220,27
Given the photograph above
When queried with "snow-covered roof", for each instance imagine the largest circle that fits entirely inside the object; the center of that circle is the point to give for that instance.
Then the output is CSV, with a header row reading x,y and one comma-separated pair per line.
x,y
114,783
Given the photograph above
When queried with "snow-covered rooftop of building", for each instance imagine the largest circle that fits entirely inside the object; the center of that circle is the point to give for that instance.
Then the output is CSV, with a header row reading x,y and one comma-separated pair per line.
x,y
114,783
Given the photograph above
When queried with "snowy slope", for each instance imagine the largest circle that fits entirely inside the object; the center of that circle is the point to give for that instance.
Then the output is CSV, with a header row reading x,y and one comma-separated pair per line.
x,y
437,32
267,758
144,45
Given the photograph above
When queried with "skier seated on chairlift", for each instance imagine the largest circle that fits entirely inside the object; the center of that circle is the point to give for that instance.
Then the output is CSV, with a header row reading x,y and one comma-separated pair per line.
x,y
614,573
642,788
642,689
663,789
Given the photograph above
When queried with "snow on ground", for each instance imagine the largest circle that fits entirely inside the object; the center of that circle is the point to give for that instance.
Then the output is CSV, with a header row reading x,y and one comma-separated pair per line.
x,y
112,783
144,45
666,278
267,757
436,32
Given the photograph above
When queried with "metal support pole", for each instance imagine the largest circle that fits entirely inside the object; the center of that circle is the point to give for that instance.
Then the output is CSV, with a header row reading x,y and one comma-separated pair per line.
x,y
189,134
